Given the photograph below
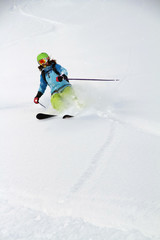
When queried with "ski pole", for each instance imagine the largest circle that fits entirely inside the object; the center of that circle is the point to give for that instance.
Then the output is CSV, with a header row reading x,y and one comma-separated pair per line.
x,y
42,105
95,79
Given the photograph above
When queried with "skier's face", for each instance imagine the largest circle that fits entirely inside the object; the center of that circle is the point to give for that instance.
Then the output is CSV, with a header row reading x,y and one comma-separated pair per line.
x,y
44,62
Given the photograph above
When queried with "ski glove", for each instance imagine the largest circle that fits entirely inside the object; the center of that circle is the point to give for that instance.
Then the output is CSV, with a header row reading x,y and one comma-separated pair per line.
x,y
60,78
65,77
36,100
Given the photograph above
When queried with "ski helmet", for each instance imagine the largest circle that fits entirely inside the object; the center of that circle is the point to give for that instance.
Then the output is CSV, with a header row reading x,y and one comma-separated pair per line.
x,y
41,56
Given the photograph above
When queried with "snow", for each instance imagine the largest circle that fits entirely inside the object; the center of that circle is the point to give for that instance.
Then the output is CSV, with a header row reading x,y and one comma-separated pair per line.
x,y
96,176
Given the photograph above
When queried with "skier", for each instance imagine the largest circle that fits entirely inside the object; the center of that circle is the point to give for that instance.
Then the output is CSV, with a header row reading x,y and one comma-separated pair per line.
x,y
55,76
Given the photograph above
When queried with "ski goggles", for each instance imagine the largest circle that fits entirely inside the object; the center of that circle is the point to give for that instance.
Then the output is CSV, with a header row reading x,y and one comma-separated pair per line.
x,y
43,61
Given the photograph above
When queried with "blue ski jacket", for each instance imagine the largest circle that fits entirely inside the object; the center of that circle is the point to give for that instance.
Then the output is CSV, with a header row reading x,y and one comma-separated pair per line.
x,y
50,79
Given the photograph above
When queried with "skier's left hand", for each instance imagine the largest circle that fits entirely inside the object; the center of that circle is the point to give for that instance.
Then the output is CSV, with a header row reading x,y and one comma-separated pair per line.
x,y
65,77
59,79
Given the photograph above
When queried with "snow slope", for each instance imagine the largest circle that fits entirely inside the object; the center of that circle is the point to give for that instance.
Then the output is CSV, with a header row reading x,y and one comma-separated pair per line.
x,y
95,176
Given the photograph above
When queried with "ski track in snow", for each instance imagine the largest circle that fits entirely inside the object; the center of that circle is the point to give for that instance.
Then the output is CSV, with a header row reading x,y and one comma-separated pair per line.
x,y
94,163
40,18
43,30
138,123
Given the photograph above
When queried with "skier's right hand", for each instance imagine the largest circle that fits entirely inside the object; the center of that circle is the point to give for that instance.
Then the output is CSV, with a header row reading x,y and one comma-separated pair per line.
x,y
36,100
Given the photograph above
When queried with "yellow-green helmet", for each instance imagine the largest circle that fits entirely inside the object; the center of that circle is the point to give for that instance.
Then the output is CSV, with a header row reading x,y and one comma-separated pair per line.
x,y
41,56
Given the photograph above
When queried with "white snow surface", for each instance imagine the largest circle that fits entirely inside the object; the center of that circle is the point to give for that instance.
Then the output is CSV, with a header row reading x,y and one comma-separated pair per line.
x,y
95,176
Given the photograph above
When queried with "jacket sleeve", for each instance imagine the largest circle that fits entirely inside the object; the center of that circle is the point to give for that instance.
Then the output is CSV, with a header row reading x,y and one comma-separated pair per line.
x,y
61,70
42,86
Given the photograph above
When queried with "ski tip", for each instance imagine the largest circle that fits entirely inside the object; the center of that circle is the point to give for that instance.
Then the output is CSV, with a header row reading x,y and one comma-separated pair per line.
x,y
41,116
67,116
